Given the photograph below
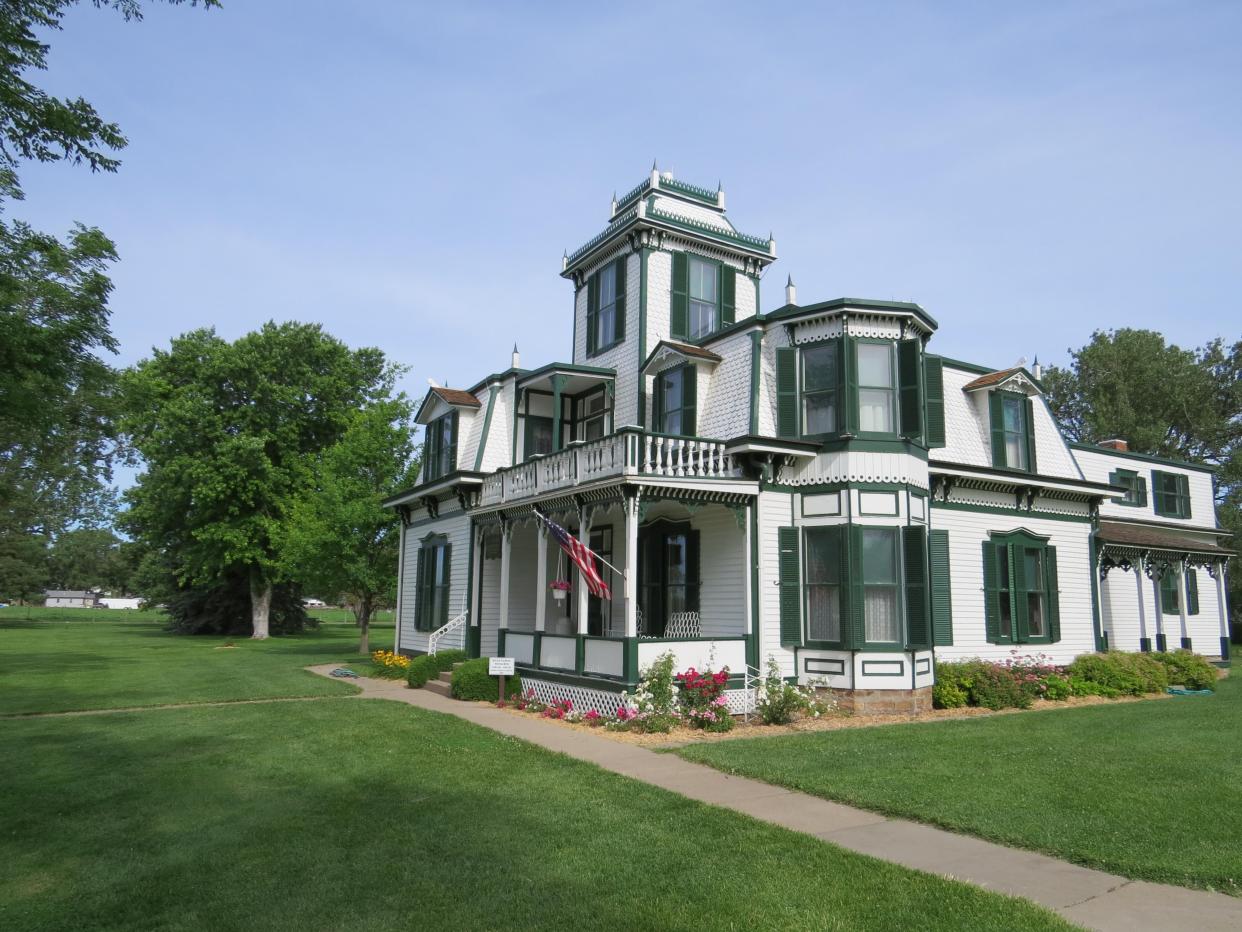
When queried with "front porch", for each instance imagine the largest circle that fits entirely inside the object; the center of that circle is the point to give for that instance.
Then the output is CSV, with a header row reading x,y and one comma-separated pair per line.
x,y
681,583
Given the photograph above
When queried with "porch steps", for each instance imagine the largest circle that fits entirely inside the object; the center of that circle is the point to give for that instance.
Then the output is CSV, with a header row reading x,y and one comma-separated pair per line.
x,y
442,684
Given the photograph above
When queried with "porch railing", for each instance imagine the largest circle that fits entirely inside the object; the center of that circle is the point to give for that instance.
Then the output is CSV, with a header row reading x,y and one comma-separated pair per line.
x,y
457,624
628,452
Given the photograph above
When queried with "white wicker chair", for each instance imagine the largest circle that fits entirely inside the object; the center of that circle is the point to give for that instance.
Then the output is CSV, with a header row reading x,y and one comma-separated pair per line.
x,y
682,625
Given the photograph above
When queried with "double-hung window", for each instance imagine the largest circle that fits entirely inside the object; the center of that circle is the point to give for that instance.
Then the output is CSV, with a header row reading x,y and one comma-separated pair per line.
x,y
440,449
823,584
877,388
432,581
606,307
1170,494
881,618
1014,411
819,389
675,394
1013,431
704,301
606,318
1020,590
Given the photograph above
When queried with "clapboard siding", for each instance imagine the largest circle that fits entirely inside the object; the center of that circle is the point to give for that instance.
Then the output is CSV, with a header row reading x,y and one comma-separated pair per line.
x,y
454,525
967,531
1098,465
722,567
774,513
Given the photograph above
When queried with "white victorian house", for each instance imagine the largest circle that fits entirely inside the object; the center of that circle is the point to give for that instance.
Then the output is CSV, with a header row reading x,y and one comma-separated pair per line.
x,y
812,484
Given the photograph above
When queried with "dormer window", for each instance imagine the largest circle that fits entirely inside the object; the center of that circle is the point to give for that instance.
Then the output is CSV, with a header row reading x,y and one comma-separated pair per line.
x,y
440,451
675,397
1013,431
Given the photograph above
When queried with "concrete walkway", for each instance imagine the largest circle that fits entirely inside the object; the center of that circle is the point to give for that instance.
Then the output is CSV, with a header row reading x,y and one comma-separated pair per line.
x,y
1088,897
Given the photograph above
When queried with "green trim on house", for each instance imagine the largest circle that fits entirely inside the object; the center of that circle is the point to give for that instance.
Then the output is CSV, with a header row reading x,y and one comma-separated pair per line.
x,y
609,685
752,642
469,583
1097,623
1145,457
1011,511
967,366
644,255
493,391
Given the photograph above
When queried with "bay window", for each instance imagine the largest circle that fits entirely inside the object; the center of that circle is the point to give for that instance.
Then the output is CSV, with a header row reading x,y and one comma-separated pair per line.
x,y
881,618
819,389
823,584
877,388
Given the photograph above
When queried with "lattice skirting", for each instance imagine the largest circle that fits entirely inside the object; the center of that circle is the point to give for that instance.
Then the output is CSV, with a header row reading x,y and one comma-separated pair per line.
x,y
606,702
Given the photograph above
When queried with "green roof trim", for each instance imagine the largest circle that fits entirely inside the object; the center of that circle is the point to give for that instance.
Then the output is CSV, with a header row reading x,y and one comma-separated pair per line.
x,y
868,304
1145,457
968,366
761,243
565,367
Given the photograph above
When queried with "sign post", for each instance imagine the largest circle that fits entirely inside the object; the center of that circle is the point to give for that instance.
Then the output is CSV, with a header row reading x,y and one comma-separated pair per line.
x,y
501,667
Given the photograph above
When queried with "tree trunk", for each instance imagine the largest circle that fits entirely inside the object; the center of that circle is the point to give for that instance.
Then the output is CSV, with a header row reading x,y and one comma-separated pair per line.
x,y
362,614
260,603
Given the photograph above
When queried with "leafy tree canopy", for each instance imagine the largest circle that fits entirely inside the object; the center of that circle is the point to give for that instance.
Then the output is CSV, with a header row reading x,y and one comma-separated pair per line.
x,y
230,433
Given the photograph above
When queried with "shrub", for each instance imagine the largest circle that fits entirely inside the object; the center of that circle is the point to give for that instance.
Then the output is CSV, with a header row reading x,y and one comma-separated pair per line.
x,y
1121,674
654,700
702,701
779,703
426,667
1188,669
948,695
389,665
1057,687
995,687
471,681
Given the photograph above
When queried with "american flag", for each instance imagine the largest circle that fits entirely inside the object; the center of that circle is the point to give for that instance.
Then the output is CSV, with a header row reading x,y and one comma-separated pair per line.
x,y
580,554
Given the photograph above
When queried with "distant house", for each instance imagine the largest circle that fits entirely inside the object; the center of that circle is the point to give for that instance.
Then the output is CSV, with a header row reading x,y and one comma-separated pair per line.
x,y
110,602
69,598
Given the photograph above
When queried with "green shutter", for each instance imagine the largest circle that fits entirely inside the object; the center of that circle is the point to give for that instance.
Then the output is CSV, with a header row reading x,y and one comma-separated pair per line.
x,y
693,581
592,288
728,295
448,586
909,388
789,567
996,415
1141,490
933,380
420,590
991,592
941,588
787,392
853,612
452,456
1019,610
680,311
1157,493
918,618
689,399
847,419
1168,593
1053,594
618,332
1183,492
1192,592
657,404
1031,463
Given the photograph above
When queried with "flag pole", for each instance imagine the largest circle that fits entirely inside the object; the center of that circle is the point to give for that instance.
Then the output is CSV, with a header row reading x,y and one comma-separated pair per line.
x,y
593,553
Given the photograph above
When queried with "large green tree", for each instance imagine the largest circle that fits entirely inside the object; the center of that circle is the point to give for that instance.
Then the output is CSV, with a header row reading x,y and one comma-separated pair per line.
x,y
230,433
338,540
55,388
1165,401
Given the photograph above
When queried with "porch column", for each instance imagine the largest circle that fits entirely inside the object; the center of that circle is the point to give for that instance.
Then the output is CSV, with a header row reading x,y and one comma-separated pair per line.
x,y
557,382
474,629
1181,602
584,536
541,576
631,566
1220,606
1161,641
1144,640
506,541
396,639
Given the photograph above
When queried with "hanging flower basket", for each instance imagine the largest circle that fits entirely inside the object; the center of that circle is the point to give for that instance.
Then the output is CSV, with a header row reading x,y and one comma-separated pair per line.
x,y
560,589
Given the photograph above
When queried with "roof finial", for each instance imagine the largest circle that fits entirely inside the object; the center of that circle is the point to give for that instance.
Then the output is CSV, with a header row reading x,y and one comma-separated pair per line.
x,y
654,166
791,291
517,359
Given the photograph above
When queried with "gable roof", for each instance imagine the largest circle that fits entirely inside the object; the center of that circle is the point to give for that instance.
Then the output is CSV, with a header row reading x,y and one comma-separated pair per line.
x,y
454,397
685,350
992,378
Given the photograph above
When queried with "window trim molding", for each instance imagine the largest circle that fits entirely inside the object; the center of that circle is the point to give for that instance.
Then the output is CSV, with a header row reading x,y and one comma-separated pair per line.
x,y
894,389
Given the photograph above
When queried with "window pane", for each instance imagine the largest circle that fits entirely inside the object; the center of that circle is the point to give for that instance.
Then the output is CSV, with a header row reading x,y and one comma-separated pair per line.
x,y
820,565
593,429
1035,614
875,410
824,613
875,365
1013,414
1032,567
672,389
1015,451
607,285
1006,616
882,623
819,367
702,280
672,422
819,413
604,330
702,319
879,557
540,436
676,559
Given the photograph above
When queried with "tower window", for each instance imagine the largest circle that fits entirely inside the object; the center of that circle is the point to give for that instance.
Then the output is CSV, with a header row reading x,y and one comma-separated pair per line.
x,y
703,298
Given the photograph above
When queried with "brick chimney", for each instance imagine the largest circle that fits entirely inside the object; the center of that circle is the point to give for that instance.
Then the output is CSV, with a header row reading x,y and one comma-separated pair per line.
x,y
1120,446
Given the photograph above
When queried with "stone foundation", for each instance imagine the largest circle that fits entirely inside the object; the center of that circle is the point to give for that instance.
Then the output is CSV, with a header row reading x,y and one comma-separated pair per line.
x,y
884,701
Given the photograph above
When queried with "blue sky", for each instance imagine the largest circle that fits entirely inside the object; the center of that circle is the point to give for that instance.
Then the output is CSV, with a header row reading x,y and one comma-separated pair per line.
x,y
409,174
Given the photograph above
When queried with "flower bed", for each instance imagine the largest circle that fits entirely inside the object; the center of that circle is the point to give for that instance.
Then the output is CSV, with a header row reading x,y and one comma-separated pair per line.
x,y
388,665
1019,681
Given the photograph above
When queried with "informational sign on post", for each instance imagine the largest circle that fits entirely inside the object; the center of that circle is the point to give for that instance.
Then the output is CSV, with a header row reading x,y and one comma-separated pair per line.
x,y
501,667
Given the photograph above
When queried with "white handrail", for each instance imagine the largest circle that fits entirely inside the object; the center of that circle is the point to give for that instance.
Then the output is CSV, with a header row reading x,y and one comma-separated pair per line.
x,y
751,676
438,634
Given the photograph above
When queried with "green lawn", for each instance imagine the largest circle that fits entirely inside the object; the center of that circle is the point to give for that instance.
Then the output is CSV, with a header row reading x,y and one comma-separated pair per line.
x,y
56,661
1150,790
366,814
